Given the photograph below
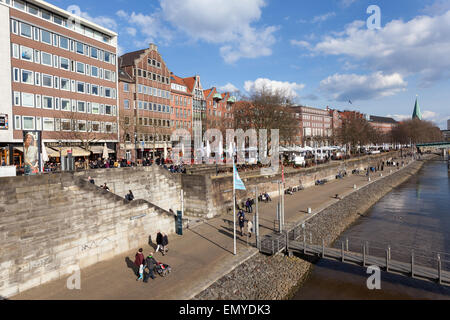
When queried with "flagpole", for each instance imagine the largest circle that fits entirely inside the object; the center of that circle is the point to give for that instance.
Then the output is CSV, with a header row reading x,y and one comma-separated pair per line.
x,y
234,207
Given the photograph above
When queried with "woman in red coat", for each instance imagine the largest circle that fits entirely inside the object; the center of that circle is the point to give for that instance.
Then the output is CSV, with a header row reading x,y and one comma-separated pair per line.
x,y
139,263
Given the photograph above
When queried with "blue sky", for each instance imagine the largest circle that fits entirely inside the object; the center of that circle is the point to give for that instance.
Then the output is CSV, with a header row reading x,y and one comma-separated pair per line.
x,y
321,52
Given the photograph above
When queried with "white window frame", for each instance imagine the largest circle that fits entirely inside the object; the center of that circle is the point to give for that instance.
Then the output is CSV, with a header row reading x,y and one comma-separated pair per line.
x,y
23,122
68,107
16,98
31,30
84,104
32,76
51,37
15,51
29,95
42,59
60,63
52,120
17,122
61,86
21,53
51,80
51,99
76,67
84,87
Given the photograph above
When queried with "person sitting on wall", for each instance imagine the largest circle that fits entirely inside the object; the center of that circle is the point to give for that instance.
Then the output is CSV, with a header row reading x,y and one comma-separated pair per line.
x,y
91,180
129,196
105,187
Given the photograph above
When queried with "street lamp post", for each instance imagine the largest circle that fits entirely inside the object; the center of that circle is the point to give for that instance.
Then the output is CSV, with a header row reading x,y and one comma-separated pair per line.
x,y
135,147
60,158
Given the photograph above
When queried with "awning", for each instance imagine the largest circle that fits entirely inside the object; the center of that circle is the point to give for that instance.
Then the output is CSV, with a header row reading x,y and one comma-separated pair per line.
x,y
99,150
50,152
76,151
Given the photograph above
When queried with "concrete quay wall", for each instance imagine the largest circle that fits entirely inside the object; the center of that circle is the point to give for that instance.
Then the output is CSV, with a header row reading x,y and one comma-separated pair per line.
x,y
52,225
218,197
279,277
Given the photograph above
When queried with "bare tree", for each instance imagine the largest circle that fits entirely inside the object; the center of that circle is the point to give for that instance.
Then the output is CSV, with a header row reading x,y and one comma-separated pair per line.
x,y
267,109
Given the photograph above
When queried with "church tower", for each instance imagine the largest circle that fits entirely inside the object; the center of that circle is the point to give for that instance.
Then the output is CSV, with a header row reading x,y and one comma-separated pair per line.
x,y
417,114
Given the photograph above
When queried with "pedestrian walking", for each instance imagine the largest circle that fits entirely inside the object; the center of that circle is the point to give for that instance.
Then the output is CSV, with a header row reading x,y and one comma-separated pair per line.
x,y
165,243
139,263
159,241
241,223
150,264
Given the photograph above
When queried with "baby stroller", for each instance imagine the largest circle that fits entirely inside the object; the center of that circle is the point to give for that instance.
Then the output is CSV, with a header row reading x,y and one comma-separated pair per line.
x,y
163,269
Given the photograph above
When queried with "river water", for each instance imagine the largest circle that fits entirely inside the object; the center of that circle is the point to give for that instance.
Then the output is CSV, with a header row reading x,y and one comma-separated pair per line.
x,y
415,215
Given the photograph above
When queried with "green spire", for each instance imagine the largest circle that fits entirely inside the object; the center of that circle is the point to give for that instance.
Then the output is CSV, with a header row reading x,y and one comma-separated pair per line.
x,y
417,114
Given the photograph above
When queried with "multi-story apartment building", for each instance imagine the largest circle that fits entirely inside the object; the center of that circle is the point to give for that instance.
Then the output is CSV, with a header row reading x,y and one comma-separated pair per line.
x,y
315,126
219,110
127,120
58,76
382,124
195,88
151,100
181,117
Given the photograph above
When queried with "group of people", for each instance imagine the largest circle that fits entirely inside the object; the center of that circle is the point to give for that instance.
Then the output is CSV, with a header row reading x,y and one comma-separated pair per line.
x,y
142,263
264,197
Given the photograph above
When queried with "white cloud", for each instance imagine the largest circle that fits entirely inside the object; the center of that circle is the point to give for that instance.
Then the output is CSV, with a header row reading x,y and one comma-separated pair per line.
x,y
288,88
150,27
419,46
103,21
344,87
437,7
323,17
300,43
229,87
131,31
225,22
347,3
399,117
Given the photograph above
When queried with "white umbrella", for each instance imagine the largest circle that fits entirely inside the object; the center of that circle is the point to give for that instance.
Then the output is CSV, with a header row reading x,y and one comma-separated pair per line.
x,y
165,150
44,157
182,149
208,149
220,148
105,152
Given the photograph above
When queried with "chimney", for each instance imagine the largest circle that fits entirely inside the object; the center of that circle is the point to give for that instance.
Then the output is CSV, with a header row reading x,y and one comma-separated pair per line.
x,y
153,47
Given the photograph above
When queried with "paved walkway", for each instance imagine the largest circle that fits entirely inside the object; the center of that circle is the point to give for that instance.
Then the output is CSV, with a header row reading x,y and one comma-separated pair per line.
x,y
198,258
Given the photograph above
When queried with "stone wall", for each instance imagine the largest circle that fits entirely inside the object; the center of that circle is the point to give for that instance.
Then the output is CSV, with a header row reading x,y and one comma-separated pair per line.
x,y
50,224
282,276
218,198
153,184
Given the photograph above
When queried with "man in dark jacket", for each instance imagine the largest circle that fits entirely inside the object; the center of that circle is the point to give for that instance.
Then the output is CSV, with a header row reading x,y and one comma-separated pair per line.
x,y
129,196
165,243
150,264
159,240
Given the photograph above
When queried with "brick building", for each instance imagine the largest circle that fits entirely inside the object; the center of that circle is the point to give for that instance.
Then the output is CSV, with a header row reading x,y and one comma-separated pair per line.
x,y
149,77
194,87
181,117
219,110
58,76
315,126
382,124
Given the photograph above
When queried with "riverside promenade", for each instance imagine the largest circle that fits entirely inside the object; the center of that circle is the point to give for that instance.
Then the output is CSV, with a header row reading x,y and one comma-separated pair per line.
x,y
198,258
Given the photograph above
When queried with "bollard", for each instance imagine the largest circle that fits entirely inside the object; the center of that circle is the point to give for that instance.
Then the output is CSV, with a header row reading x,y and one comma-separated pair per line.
x,y
369,179
342,251
304,243
309,210
323,248
364,256
354,186
381,174
439,269
387,260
